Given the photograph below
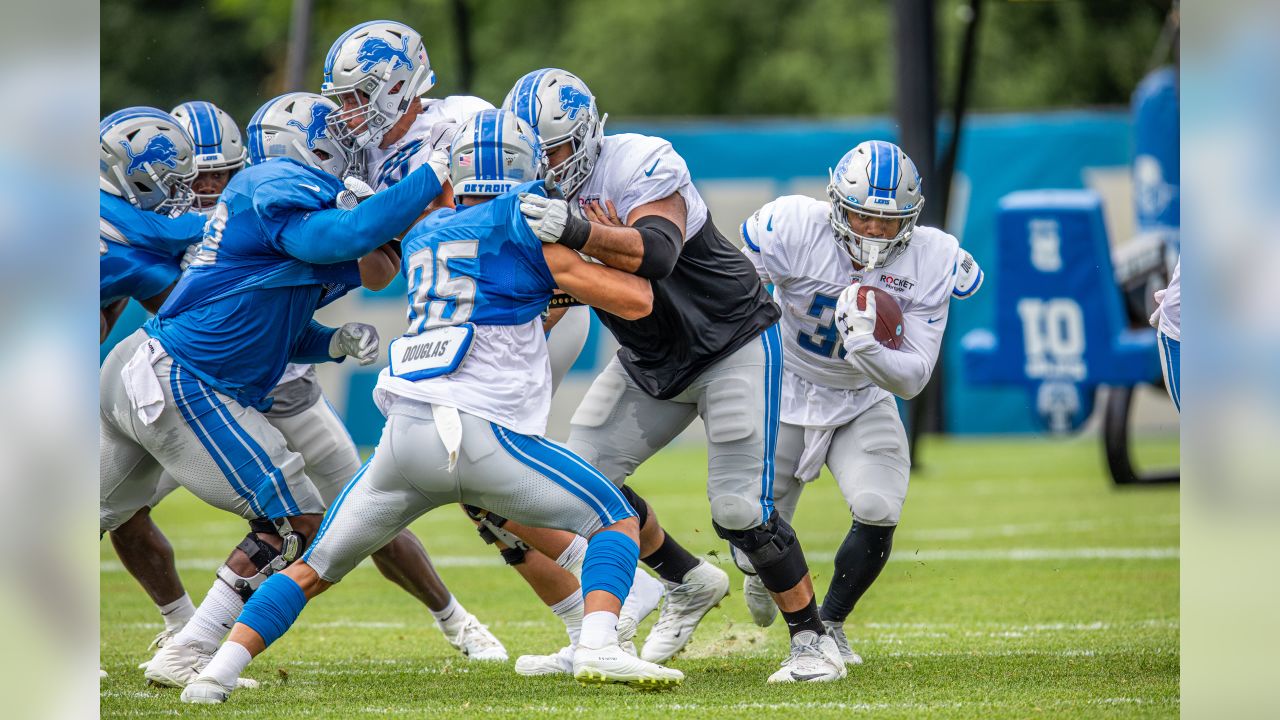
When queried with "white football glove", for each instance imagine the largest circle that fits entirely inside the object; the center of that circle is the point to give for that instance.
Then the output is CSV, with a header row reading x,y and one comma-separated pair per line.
x,y
853,324
546,217
439,162
357,340
189,256
357,191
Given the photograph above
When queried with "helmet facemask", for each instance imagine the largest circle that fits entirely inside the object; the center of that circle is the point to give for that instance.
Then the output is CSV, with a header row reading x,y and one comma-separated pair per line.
x,y
368,108
585,139
865,251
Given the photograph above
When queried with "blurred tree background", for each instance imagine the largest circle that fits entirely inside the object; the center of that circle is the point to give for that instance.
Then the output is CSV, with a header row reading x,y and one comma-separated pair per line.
x,y
656,58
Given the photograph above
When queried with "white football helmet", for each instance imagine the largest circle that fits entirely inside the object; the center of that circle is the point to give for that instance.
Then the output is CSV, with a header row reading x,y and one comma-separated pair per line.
x,y
295,125
218,144
563,110
145,157
875,179
379,67
493,152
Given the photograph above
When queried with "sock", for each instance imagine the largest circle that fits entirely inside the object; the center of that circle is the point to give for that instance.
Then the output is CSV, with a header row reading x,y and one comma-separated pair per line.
x,y
599,629
646,593
572,557
227,664
859,561
177,613
213,619
451,618
671,561
804,619
569,610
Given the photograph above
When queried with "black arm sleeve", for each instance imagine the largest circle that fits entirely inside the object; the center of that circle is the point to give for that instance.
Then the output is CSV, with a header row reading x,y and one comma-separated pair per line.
x,y
662,244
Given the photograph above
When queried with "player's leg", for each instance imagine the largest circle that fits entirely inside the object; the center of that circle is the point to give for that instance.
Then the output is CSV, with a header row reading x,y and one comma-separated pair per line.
x,y
232,458
786,495
146,553
403,479
739,399
617,427
556,488
871,463
312,428
1171,367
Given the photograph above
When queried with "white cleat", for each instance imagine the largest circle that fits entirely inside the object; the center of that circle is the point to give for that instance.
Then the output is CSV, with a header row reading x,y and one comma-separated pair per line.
x,y
557,663
759,601
703,588
477,643
813,658
610,664
627,627
177,665
164,637
205,691
836,631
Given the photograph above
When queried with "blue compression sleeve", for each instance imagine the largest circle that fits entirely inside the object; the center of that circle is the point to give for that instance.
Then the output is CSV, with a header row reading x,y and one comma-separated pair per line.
x,y
610,564
274,607
312,344
331,236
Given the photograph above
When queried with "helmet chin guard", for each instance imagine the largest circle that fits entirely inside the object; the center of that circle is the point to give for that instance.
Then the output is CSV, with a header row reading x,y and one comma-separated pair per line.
x,y
875,179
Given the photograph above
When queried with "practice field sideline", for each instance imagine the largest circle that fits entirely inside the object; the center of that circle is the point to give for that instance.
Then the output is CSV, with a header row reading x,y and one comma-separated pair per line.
x,y
1023,584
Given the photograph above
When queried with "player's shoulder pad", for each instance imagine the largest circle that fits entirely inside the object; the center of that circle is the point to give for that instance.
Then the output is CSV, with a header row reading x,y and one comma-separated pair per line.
x,y
646,155
284,183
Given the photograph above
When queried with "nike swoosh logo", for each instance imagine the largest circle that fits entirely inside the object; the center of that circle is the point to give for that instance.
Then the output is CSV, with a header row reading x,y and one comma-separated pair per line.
x,y
803,677
310,187
649,172
769,225
933,320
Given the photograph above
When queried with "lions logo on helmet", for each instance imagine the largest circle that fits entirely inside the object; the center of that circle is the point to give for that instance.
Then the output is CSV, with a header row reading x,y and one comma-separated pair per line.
x,y
875,179
370,73
146,157
293,126
562,109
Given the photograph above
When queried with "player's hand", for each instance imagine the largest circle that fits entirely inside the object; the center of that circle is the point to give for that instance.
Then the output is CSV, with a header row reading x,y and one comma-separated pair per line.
x,y
546,217
189,256
439,162
356,192
852,323
356,340
1154,320
605,214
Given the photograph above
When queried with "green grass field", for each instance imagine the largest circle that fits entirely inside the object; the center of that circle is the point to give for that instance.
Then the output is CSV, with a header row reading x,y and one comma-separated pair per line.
x,y
1023,584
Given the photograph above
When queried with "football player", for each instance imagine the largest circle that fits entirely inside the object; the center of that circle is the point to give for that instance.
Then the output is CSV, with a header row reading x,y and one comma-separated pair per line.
x,y
181,393
392,128
838,382
710,348
300,411
467,394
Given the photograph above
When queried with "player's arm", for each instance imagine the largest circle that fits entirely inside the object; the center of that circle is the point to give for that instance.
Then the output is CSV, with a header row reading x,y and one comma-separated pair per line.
x,y
648,245
108,317
618,293
153,303
325,237
380,267
905,371
761,247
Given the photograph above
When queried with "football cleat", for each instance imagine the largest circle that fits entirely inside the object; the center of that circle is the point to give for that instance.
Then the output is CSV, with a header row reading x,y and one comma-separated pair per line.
x,y
759,601
557,663
477,643
814,658
205,691
164,637
177,665
703,588
836,631
610,664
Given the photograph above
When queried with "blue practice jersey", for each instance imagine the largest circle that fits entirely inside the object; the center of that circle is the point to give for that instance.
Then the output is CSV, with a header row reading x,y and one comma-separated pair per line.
x,y
143,249
480,264
244,307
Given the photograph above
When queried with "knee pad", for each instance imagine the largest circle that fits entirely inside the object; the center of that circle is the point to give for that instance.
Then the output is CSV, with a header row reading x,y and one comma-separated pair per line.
x,y
872,508
877,495
735,512
773,550
637,503
490,529
265,558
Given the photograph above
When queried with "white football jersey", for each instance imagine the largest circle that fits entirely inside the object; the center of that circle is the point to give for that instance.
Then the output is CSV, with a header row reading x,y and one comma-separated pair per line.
x,y
390,165
633,170
1169,314
793,246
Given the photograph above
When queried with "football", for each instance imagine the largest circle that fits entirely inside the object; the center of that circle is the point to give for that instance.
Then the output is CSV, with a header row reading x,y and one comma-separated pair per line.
x,y
889,325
